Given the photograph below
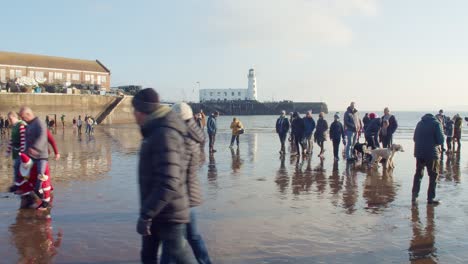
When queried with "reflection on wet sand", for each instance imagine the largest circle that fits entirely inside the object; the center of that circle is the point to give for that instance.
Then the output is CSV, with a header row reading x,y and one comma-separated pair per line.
x,y
33,236
236,160
350,193
282,178
451,169
335,181
379,189
422,247
212,171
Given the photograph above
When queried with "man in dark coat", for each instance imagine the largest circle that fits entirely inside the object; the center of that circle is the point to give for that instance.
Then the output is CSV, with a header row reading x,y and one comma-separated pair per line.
x,y
392,127
309,126
298,130
212,128
336,134
282,128
428,138
164,202
372,131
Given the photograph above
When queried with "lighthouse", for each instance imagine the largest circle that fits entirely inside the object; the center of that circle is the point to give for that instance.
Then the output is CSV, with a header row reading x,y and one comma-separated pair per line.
x,y
252,86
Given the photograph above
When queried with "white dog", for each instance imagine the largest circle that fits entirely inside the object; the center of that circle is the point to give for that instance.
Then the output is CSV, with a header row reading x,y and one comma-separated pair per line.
x,y
384,153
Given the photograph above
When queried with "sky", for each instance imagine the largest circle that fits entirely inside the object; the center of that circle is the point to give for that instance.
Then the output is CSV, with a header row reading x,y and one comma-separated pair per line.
x,y
407,55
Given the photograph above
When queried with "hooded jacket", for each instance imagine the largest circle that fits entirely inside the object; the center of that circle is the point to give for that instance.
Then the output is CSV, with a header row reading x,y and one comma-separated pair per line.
x,y
193,140
351,120
428,137
211,125
163,167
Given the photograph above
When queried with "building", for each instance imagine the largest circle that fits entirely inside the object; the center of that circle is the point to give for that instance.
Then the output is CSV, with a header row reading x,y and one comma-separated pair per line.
x,y
232,94
53,70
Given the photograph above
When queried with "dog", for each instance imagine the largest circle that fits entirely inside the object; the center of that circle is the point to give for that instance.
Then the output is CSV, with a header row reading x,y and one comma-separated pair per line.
x,y
384,153
359,149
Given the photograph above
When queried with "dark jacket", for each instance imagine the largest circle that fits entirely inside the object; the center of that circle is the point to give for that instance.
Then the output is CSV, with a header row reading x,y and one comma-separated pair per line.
x,y
193,141
351,120
282,125
336,130
457,129
298,128
321,130
211,125
36,138
392,125
365,121
428,137
449,128
163,168
373,127
309,126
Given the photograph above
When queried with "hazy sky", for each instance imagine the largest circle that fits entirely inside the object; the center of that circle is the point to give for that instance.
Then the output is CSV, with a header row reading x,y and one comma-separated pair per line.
x,y
408,55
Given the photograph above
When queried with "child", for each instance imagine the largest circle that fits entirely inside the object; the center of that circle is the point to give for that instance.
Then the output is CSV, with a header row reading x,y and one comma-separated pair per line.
x,y
336,134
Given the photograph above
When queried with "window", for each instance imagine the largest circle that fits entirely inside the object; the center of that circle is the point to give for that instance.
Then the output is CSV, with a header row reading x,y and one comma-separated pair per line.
x,y
58,76
103,79
39,75
51,76
238,93
31,74
219,93
87,77
211,93
2,75
68,77
232,94
12,74
99,79
225,94
75,76
18,73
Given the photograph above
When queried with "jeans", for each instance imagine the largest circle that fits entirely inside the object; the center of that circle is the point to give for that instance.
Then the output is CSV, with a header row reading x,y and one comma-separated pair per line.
x,y
432,167
211,138
16,168
282,137
79,129
195,240
351,140
310,144
336,147
236,138
172,238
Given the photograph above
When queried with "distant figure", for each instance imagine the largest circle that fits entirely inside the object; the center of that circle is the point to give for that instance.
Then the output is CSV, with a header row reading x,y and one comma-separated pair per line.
x,y
74,123
291,137
321,133
198,120
352,125
365,121
47,121
428,138
457,132
298,133
79,124
309,125
237,129
392,127
2,124
449,132
164,202
336,134
16,145
62,118
212,129
282,129
441,118
372,131
202,119
7,126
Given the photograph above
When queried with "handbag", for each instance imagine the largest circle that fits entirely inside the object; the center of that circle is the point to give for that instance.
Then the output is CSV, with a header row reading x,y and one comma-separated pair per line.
x,y
241,131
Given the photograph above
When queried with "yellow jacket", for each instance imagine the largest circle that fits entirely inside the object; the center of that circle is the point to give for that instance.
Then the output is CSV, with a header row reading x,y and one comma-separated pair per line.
x,y
236,126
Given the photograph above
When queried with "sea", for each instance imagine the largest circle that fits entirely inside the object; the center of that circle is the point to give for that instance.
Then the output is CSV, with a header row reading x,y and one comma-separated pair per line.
x,y
258,207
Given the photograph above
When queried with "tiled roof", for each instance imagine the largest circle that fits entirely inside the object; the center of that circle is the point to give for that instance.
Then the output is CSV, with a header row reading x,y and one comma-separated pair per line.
x,y
31,60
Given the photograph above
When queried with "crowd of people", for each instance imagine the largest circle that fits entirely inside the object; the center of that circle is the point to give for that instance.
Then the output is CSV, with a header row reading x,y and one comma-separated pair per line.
x,y
88,122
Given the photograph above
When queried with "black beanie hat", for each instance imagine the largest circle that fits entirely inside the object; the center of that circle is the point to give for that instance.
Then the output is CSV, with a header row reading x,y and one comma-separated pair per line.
x,y
146,101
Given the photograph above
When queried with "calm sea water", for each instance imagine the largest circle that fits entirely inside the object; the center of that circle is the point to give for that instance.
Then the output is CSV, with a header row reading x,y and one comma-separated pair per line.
x,y
258,208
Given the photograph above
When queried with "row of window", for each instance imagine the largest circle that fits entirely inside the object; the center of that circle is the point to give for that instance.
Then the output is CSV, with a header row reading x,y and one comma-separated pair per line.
x,y
70,77
225,93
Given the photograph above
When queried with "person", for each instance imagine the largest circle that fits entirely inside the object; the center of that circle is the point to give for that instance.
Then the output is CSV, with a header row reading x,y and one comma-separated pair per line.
x,y
309,125
428,138
297,128
384,135
47,121
193,141
392,127
282,129
336,134
36,146
2,124
372,131
79,124
202,119
89,125
291,136
212,128
74,123
352,126
16,145
458,122
365,121
320,135
62,118
449,133
7,126
441,118
164,202
198,120
237,129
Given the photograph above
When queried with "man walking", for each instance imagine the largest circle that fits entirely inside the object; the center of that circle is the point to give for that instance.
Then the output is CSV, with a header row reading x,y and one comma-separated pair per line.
x,y
212,128
16,145
309,126
442,119
282,128
352,126
164,203
392,127
428,138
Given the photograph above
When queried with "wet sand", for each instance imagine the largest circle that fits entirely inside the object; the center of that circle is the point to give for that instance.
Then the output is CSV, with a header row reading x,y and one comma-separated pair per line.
x,y
258,208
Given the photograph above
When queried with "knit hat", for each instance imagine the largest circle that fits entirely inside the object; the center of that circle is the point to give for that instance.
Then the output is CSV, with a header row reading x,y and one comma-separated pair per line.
x,y
337,116
183,110
26,165
372,115
146,101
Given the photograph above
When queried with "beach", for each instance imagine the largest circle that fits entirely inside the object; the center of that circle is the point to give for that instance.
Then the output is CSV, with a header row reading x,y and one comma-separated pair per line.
x,y
258,208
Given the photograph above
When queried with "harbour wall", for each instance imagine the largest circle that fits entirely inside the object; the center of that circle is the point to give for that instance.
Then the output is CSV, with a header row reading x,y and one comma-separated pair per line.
x,y
259,108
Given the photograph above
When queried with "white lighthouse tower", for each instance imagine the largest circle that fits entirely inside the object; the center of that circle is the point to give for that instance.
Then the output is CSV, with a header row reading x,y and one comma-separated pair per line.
x,y
252,86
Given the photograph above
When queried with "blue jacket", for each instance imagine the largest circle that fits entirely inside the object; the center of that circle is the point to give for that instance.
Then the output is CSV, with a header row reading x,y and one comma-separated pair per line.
x,y
428,137
282,125
373,127
336,130
309,126
211,125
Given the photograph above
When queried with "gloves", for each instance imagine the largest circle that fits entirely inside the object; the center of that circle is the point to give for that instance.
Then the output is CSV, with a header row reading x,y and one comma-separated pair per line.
x,y
144,226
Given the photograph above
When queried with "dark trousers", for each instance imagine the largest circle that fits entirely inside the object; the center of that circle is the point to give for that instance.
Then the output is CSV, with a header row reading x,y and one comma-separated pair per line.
x,y
211,138
387,141
372,141
432,167
282,137
196,242
336,147
172,238
449,144
79,129
298,142
236,138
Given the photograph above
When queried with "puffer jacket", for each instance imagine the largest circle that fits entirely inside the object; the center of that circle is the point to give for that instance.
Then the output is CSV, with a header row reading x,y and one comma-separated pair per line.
x,y
373,127
193,141
163,168
351,120
298,128
428,137
320,134
211,126
236,126
309,126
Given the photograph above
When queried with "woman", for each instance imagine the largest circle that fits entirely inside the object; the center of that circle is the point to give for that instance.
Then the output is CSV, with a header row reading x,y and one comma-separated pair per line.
x,y
237,130
457,129
321,133
372,131
298,133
